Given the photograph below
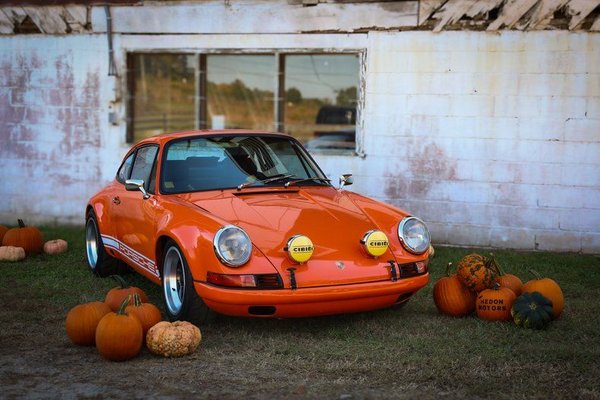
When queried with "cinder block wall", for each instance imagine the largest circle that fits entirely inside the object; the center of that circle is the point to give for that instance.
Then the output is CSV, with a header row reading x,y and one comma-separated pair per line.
x,y
55,142
493,139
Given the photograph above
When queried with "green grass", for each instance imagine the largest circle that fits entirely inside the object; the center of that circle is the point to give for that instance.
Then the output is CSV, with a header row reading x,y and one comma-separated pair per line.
x,y
395,353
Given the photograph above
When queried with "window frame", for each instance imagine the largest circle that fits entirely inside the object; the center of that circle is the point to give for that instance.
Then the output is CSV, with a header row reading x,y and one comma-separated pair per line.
x,y
201,87
134,153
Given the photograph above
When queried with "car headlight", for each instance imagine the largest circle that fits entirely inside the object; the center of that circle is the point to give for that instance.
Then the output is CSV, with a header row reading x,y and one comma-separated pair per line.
x,y
232,246
414,235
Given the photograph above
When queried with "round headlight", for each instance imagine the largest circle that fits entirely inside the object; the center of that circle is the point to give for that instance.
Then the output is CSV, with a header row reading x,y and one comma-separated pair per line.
x,y
232,246
414,235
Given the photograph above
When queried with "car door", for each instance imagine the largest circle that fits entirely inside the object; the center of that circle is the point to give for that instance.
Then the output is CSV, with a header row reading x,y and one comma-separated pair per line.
x,y
135,216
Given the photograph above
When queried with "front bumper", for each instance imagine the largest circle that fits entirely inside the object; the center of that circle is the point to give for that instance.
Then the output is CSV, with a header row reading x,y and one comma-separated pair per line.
x,y
309,302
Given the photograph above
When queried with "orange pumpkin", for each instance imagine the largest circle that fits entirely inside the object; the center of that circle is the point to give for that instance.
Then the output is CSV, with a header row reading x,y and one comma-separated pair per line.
x,y
56,246
495,304
82,320
507,280
119,336
11,253
475,272
549,289
116,296
29,238
451,297
3,230
147,313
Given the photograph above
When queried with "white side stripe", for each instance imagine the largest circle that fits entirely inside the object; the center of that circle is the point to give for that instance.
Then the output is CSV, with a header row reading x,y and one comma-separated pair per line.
x,y
136,258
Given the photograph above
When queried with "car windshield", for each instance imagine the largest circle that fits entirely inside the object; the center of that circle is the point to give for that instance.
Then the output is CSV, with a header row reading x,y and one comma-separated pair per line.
x,y
225,162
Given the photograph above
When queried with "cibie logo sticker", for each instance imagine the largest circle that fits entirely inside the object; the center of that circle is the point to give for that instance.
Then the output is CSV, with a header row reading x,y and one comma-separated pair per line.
x,y
375,243
300,248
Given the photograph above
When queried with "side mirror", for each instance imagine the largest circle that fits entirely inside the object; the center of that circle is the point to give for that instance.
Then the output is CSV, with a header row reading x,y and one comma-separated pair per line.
x,y
132,185
346,180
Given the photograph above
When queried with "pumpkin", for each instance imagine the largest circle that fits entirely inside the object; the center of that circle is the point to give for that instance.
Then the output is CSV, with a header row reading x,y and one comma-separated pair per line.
x,y
82,320
173,339
3,230
532,310
116,296
495,304
475,272
451,297
56,246
29,238
147,313
507,280
549,289
119,335
11,253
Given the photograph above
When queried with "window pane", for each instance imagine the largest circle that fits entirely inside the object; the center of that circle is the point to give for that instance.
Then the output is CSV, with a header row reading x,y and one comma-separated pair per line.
x,y
241,91
163,93
321,93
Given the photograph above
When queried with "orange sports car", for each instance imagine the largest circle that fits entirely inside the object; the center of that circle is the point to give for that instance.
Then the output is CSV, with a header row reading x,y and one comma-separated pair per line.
x,y
244,223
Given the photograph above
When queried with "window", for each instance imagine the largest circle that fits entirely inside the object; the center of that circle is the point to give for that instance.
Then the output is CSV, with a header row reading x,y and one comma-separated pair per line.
x,y
314,97
220,162
140,165
163,86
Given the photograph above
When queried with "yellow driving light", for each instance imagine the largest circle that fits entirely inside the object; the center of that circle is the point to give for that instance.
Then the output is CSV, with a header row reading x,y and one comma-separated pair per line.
x,y
375,243
299,248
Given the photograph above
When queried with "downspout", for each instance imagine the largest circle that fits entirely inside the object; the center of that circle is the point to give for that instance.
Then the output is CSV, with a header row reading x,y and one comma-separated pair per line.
x,y
112,68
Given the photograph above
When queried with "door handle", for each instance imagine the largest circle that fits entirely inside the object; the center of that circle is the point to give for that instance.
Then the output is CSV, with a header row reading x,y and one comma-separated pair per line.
x,y
116,200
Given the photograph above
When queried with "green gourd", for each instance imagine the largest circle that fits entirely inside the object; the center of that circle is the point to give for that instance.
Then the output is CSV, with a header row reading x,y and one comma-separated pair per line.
x,y
532,310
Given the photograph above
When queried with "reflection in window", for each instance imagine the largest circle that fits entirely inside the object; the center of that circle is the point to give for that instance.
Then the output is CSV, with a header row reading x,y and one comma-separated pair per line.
x,y
321,94
311,96
164,93
240,91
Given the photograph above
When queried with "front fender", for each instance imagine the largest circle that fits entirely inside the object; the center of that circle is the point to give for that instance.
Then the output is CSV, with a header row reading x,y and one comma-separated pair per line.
x,y
193,230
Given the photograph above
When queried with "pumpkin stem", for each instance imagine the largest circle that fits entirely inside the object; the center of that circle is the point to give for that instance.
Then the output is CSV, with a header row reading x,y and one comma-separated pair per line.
x,y
21,223
448,267
535,274
124,305
137,301
121,281
493,264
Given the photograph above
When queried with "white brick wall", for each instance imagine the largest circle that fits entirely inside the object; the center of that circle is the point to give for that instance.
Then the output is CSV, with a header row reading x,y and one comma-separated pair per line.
x,y
493,139
55,144
499,134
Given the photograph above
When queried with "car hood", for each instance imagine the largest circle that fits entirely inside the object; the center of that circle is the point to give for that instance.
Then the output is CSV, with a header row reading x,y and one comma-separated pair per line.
x,y
335,221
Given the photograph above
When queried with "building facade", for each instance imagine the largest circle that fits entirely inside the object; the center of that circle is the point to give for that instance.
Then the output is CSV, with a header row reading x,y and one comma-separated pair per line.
x,y
480,117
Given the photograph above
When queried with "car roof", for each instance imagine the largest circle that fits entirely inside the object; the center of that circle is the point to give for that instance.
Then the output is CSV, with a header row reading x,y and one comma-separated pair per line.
x,y
168,136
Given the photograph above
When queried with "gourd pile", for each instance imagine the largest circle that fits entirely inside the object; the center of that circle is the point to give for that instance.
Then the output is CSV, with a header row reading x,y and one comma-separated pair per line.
x,y
19,242
479,285
121,324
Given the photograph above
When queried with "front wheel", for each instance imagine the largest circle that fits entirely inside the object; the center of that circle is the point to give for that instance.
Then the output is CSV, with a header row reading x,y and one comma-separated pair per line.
x,y
98,260
180,297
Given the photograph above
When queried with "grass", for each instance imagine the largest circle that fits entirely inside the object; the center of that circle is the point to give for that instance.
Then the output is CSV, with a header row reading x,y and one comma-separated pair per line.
x,y
395,353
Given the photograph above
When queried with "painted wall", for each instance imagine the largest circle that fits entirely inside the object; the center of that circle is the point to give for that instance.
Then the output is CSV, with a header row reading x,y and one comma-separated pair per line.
x,y
492,138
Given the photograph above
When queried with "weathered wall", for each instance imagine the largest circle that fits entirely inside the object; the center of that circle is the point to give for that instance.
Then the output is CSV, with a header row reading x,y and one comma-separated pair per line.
x,y
55,142
492,138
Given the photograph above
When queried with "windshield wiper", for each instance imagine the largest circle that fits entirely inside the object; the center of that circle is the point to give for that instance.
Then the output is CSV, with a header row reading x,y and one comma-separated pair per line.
x,y
312,178
266,180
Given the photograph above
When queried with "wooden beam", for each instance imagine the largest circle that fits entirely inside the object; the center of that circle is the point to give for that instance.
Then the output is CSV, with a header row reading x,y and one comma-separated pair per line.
x,y
579,10
427,8
512,12
542,14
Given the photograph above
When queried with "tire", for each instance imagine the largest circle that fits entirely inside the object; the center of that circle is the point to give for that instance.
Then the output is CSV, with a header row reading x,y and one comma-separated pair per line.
x,y
98,260
179,295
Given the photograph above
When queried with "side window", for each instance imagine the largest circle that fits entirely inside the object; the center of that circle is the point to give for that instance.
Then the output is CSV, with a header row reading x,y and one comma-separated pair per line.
x,y
144,163
125,169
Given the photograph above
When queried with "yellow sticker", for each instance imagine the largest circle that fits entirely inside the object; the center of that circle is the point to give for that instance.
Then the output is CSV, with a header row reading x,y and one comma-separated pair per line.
x,y
375,243
300,248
